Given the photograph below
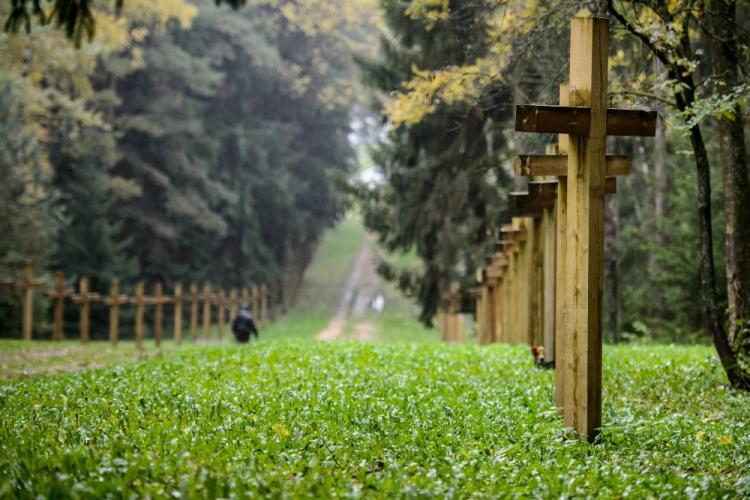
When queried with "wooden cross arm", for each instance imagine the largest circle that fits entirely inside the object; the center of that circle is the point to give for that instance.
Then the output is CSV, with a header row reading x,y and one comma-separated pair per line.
x,y
158,300
54,294
143,299
576,120
557,165
494,273
499,260
525,205
89,297
116,300
517,234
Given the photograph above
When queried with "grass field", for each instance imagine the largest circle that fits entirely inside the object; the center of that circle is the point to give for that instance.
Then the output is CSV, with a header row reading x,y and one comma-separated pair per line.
x,y
403,416
303,418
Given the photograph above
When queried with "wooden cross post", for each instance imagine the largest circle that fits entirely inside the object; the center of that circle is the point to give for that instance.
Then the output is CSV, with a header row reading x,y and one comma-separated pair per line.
x,y
206,297
193,312
263,305
233,304
587,122
255,309
58,296
114,301
26,284
245,297
178,313
139,300
158,300
85,298
221,298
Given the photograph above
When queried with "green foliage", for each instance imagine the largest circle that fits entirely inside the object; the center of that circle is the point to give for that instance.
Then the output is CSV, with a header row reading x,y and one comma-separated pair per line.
x,y
441,198
299,418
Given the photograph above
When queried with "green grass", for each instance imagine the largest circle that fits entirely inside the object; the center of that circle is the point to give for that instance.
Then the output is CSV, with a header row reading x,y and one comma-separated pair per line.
x,y
300,418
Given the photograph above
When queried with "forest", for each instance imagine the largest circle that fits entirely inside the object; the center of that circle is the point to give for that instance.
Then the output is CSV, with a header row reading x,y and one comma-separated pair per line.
x,y
365,164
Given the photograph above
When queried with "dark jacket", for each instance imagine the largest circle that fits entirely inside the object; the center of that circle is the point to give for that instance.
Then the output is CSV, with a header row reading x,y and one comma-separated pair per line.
x,y
243,326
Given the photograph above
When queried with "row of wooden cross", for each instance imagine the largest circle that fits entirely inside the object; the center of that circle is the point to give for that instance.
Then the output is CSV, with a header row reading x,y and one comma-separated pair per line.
x,y
205,299
544,284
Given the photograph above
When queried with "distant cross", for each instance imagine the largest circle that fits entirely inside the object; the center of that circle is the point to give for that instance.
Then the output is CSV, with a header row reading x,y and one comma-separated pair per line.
x,y
158,301
233,304
58,295
207,299
178,313
85,298
255,302
263,305
140,299
193,312
587,121
27,284
114,301
220,301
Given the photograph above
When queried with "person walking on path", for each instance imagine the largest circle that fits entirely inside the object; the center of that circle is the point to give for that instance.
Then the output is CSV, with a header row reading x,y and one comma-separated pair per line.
x,y
243,325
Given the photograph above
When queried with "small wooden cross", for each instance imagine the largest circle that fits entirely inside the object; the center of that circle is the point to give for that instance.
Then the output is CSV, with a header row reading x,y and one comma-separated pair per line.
x,y
58,295
207,297
220,301
233,303
139,299
158,301
85,298
246,298
193,312
114,301
263,305
178,313
587,123
27,284
255,302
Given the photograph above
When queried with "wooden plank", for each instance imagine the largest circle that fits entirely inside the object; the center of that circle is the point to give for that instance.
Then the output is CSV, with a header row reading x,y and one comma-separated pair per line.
x,y
557,165
536,283
585,225
193,312
207,311
561,238
178,313
548,285
221,312
114,301
139,302
631,122
58,295
545,119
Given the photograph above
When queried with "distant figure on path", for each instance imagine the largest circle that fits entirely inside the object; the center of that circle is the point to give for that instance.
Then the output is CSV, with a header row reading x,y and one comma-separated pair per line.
x,y
244,325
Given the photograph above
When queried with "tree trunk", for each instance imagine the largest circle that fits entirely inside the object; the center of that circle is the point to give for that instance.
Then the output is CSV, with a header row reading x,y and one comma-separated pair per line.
x,y
733,158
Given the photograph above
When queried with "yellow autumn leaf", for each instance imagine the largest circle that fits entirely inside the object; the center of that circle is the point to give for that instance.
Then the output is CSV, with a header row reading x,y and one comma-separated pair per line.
x,y
725,440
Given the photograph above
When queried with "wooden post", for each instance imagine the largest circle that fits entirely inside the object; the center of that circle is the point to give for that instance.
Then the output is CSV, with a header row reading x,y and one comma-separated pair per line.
x,y
193,312
114,301
220,312
85,298
246,298
139,300
207,311
178,313
255,302
585,225
263,305
58,296
158,300
26,284
233,304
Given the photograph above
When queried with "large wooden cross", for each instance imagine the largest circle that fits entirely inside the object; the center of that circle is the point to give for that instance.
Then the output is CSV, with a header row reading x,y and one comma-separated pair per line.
x,y
85,298
58,295
587,121
114,301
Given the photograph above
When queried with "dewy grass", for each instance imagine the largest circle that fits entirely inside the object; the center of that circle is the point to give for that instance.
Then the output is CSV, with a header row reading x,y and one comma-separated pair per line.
x,y
299,418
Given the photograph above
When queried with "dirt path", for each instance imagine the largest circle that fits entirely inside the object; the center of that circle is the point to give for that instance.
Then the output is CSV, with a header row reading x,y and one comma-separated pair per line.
x,y
357,296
